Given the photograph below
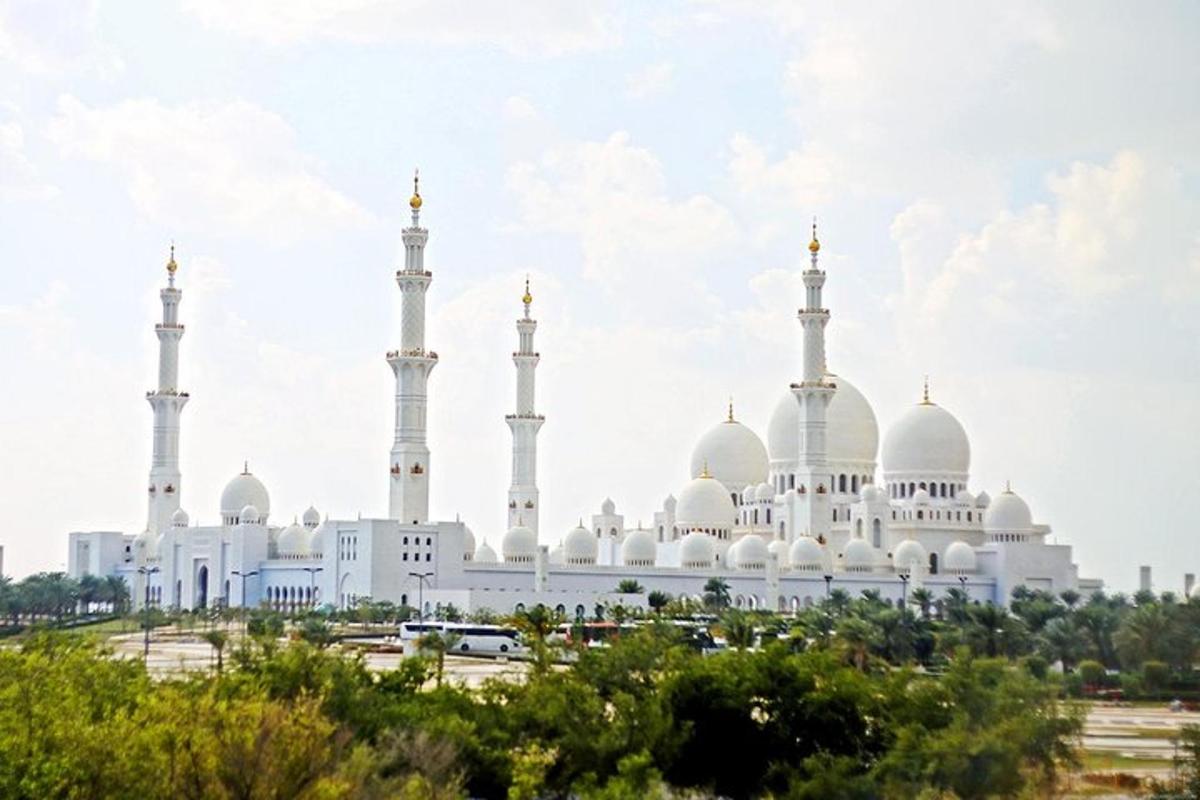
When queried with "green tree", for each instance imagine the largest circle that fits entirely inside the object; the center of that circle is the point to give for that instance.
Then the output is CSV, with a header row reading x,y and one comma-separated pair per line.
x,y
630,586
658,600
716,593
217,639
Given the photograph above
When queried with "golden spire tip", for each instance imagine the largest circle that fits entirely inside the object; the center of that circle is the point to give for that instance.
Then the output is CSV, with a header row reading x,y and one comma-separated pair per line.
x,y
925,394
415,201
527,298
730,409
171,265
815,245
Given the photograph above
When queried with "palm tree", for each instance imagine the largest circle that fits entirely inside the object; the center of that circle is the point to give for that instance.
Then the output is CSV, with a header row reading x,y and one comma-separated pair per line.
x,y
858,638
538,624
218,639
739,630
716,593
117,591
658,600
1061,640
629,586
1070,597
438,642
91,591
922,598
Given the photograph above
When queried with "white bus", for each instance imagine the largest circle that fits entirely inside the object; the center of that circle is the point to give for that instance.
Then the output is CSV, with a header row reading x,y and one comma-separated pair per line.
x,y
468,638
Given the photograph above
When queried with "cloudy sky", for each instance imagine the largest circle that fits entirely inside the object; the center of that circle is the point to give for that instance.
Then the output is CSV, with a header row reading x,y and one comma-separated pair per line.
x,y
1008,193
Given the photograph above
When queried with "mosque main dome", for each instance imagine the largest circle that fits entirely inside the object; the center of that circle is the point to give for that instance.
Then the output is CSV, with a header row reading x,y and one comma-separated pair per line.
x,y
926,440
852,434
245,490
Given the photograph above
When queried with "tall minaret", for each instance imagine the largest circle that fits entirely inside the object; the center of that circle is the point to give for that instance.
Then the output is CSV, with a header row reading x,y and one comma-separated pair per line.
x,y
814,392
523,501
412,363
167,402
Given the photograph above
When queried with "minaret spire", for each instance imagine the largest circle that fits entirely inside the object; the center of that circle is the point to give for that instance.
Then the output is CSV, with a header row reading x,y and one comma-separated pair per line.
x,y
412,363
167,403
814,393
523,498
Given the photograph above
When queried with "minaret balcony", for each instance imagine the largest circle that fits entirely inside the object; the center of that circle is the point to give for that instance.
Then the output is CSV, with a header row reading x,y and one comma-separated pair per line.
x,y
538,417
413,273
415,353
519,354
166,326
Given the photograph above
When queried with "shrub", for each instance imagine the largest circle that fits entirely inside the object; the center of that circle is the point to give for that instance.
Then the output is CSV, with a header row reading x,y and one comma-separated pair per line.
x,y
1091,673
1155,675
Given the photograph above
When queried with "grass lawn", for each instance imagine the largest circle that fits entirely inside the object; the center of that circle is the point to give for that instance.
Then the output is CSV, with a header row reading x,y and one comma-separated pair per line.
x,y
1093,761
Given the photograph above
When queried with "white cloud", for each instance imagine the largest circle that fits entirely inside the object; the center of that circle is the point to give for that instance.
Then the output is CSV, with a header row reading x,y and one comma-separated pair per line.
x,y
650,81
541,27
52,37
519,109
19,178
611,195
219,167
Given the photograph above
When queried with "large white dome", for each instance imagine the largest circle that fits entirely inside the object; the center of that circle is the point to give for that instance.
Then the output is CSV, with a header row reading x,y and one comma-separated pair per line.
x,y
851,435
696,551
927,439
468,543
1008,513
704,503
579,547
807,554
519,545
322,536
639,549
960,558
733,454
245,490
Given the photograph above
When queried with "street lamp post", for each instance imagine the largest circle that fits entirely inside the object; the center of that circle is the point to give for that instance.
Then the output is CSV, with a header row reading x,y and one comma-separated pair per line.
x,y
828,582
147,572
312,575
244,576
904,590
421,578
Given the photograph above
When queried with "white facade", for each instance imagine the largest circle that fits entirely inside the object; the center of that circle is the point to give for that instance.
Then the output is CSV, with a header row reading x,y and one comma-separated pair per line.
x,y
782,524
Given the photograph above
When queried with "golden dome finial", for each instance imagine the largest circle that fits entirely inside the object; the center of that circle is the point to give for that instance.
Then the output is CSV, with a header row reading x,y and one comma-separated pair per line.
x,y
814,246
730,419
704,473
171,265
925,401
415,200
527,298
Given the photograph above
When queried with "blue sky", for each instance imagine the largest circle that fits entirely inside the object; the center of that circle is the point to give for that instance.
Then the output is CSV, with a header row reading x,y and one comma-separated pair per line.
x,y
1008,196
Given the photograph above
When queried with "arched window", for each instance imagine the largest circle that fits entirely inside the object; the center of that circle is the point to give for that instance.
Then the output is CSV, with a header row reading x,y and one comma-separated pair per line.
x,y
968,516
842,483
920,515
877,532
782,529
912,488
923,486
756,516
835,515
792,481
933,564
768,516
858,527
933,490
854,484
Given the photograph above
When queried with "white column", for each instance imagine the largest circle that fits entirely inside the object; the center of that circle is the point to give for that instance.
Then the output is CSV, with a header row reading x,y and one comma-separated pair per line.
x,y
409,470
167,403
523,500
814,393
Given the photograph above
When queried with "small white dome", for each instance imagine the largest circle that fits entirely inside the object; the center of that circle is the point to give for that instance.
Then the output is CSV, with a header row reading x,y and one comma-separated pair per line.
x,y
249,515
579,547
556,555
752,552
748,494
608,507
484,554
311,518
910,557
704,503
731,559
733,454
959,559
765,491
780,548
852,434
1008,513
983,499
292,541
696,551
180,518
926,439
245,490
869,494
858,555
920,498
964,498
639,549
519,545
807,554
669,503
468,542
